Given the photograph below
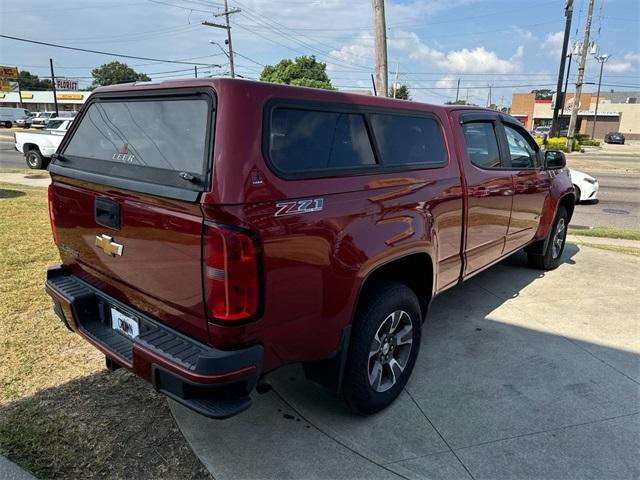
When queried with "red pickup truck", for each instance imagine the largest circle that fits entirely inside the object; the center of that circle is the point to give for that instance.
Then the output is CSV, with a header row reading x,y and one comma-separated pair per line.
x,y
211,231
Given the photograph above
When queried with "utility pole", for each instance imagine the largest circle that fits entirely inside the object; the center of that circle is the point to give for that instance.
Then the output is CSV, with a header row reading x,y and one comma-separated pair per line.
x,y
568,13
195,71
53,84
566,84
226,27
489,98
458,91
380,33
581,67
602,59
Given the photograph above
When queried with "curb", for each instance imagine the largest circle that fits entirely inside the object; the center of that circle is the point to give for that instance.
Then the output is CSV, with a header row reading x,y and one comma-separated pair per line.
x,y
617,242
11,471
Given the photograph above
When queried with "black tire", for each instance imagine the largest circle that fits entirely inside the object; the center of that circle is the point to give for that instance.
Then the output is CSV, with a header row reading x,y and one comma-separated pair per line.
x,y
379,309
34,159
552,256
8,124
578,194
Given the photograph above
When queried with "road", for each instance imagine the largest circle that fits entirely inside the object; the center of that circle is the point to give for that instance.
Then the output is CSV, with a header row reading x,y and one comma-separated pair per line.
x,y
9,158
619,179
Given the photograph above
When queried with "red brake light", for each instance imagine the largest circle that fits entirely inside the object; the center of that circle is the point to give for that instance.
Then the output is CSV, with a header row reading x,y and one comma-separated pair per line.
x,y
231,274
52,216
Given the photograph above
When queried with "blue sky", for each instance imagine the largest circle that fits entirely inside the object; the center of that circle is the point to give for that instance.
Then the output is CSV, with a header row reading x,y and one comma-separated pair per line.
x,y
511,45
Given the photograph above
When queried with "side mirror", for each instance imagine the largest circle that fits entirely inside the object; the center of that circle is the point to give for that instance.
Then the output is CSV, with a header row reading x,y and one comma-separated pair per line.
x,y
554,159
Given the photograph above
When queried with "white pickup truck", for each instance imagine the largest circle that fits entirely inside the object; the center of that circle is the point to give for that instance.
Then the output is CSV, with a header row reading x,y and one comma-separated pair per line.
x,y
38,147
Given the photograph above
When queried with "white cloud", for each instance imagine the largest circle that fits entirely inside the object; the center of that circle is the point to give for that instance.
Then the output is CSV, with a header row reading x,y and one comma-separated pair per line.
x,y
628,63
552,43
525,35
480,60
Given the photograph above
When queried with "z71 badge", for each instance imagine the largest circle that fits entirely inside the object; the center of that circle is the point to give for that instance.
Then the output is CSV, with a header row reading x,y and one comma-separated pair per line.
x,y
300,206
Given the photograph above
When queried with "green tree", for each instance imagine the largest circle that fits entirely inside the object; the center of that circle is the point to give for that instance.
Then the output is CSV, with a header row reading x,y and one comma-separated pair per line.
x,y
543,94
402,92
28,81
304,71
116,72
456,102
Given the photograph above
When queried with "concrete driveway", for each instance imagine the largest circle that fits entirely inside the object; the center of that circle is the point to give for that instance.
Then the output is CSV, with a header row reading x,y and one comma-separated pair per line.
x,y
521,374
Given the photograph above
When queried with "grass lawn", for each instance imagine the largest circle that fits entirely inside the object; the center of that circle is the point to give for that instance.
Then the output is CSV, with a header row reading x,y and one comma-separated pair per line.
x,y
608,232
62,415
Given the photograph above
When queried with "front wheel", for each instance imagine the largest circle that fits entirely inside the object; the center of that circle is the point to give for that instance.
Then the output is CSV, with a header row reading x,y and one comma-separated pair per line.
x,y
551,257
34,159
578,194
384,346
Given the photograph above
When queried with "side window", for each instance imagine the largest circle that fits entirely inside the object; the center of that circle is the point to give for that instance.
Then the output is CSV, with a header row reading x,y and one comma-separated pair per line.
x,y
405,140
522,153
482,144
307,140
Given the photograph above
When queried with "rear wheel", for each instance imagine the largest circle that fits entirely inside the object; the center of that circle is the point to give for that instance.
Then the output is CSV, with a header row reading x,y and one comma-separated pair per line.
x,y
551,257
34,159
384,346
578,194
8,124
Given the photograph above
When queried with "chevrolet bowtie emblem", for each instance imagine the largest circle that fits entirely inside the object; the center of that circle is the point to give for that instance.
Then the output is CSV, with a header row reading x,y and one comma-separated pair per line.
x,y
106,243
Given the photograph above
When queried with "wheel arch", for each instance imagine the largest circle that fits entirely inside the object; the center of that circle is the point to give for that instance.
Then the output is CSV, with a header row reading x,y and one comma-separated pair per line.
x,y
27,147
414,270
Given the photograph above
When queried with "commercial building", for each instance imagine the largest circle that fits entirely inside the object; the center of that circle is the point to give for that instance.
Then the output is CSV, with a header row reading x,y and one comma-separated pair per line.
x,y
43,101
617,112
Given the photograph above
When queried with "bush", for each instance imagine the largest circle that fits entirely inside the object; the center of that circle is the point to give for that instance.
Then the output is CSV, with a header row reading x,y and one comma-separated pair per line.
x,y
590,143
556,143
539,141
581,137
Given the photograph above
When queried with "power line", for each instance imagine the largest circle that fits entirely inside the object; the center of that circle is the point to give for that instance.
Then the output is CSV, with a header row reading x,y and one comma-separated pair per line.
x,y
99,52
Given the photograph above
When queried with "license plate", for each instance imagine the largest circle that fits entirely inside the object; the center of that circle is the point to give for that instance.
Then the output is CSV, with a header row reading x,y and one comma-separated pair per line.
x,y
124,324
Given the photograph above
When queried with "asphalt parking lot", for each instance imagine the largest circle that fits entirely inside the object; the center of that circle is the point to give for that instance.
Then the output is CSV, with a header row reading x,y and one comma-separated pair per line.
x,y
521,375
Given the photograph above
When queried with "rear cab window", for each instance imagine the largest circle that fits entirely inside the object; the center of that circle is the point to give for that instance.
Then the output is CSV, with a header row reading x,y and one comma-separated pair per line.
x,y
158,144
332,140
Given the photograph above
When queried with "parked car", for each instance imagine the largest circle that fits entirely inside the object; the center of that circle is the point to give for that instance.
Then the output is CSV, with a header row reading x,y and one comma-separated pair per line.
x,y
25,122
9,115
41,119
318,230
541,132
614,137
38,147
585,186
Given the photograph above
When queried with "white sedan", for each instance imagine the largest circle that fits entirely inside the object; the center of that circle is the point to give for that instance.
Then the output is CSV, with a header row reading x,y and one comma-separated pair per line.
x,y
585,186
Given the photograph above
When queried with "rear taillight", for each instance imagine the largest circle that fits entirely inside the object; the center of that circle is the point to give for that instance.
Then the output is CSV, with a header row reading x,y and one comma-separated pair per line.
x,y
231,274
52,216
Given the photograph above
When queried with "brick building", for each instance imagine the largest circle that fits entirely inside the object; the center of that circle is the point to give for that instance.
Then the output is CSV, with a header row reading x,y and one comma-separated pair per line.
x,y
617,112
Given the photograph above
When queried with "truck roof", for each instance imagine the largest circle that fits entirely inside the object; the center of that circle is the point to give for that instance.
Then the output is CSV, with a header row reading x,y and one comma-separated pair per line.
x,y
280,90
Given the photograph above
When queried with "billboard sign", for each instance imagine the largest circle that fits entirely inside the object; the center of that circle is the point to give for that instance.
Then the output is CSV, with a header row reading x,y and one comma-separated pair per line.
x,y
8,86
64,84
8,72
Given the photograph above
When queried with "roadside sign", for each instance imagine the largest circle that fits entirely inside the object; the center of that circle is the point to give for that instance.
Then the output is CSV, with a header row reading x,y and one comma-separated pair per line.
x,y
8,72
8,86
69,96
64,84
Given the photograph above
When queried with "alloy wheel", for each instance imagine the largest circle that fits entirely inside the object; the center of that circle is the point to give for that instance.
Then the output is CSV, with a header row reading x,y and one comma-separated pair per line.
x,y
390,350
558,239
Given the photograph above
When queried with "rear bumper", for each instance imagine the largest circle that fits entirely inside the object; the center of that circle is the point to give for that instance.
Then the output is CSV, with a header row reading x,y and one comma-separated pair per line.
x,y
214,383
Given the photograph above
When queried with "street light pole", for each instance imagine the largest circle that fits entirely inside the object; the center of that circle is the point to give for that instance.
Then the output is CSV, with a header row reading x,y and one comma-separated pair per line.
x,y
602,59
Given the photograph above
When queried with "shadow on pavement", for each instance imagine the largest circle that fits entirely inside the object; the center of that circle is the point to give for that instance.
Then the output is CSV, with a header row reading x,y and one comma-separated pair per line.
x,y
497,392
